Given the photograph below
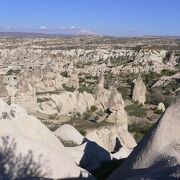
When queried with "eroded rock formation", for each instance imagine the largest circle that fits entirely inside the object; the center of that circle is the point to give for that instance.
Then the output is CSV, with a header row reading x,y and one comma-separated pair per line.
x,y
31,149
112,101
3,90
100,93
157,156
161,107
139,91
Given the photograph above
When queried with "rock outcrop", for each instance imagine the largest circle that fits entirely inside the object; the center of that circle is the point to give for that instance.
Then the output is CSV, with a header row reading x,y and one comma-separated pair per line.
x,y
93,149
147,60
172,58
67,103
113,138
26,93
165,80
3,90
68,134
106,137
112,102
89,155
44,63
26,125
139,91
86,153
43,92
158,154
26,157
73,80
50,77
29,149
116,107
100,93
161,107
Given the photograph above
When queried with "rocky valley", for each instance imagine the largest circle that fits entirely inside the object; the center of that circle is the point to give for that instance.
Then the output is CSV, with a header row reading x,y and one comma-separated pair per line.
x,y
90,104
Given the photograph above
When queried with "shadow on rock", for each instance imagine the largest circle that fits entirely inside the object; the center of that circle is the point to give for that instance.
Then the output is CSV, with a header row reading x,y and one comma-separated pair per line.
x,y
14,165
93,156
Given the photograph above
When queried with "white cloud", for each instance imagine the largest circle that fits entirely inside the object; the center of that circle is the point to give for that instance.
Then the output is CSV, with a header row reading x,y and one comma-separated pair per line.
x,y
86,32
68,27
8,27
43,27
74,30
72,27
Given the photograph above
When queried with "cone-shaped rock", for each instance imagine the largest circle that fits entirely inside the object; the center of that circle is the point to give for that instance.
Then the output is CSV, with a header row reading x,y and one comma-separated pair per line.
x,y
3,90
139,91
158,154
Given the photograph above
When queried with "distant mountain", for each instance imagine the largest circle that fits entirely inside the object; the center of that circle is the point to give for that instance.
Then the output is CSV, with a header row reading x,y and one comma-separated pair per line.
x,y
164,37
31,35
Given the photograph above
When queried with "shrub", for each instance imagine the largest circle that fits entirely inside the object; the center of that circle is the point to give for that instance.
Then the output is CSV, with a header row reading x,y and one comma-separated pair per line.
x,y
167,102
12,72
64,74
139,131
125,92
80,65
71,89
82,132
150,78
86,115
156,96
138,136
77,115
15,165
83,88
167,72
100,113
158,111
81,80
135,110
172,86
93,108
167,57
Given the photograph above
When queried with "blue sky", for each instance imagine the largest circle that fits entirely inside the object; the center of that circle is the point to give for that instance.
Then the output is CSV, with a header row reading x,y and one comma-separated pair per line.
x,y
105,17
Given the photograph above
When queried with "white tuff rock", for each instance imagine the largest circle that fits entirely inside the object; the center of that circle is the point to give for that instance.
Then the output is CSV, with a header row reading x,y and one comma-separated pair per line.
x,y
33,158
27,143
139,91
68,133
158,154
161,107
3,90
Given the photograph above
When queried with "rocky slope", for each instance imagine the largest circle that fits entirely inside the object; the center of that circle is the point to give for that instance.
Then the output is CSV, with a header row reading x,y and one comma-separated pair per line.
x,y
110,89
56,78
35,151
25,138
158,154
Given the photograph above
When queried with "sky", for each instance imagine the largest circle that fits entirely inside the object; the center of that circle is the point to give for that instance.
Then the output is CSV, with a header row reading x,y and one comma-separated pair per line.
x,y
103,17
